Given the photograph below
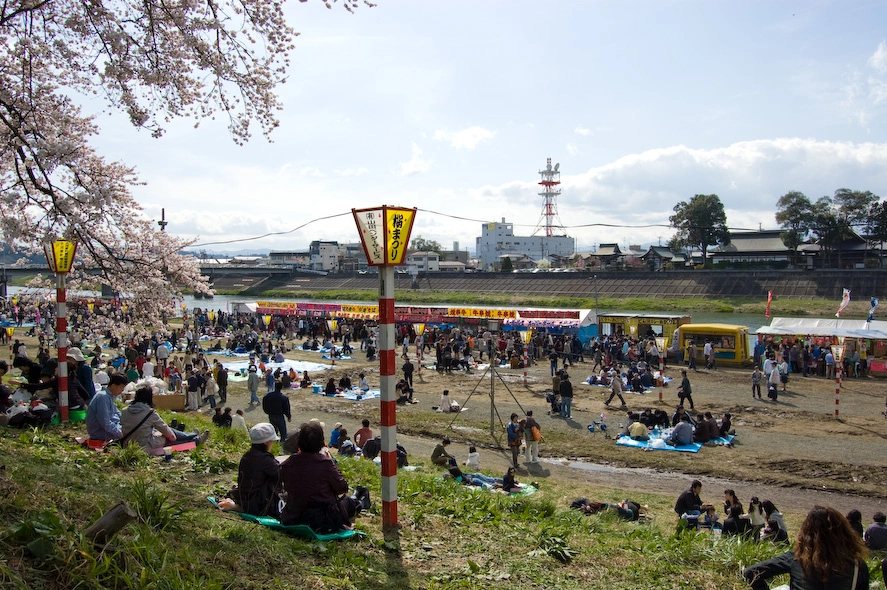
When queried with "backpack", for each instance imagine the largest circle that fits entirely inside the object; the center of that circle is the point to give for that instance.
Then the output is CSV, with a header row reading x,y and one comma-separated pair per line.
x,y
579,503
372,447
401,456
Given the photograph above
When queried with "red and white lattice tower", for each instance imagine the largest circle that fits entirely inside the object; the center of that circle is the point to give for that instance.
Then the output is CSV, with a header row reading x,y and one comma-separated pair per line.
x,y
549,222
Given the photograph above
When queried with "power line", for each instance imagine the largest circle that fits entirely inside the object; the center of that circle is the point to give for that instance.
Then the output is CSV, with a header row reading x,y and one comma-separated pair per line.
x,y
450,216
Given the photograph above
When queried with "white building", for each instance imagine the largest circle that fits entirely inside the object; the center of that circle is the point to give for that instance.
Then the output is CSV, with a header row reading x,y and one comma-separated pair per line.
x,y
324,255
498,239
424,261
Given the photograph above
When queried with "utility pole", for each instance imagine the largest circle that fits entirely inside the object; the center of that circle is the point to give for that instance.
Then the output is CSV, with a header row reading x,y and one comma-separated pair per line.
x,y
163,222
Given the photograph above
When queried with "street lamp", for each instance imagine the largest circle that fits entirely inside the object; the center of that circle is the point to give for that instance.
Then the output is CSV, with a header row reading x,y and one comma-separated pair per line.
x,y
60,258
385,234
838,353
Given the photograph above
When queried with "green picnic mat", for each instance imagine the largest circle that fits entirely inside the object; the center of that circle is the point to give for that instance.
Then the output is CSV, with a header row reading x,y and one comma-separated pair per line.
x,y
298,530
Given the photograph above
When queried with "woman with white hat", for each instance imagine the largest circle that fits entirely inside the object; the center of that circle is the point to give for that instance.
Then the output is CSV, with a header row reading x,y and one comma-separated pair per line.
x,y
258,476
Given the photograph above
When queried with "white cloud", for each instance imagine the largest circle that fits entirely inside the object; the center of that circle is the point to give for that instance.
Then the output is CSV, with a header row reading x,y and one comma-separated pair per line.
x,y
416,165
582,131
351,171
310,171
878,60
572,149
465,139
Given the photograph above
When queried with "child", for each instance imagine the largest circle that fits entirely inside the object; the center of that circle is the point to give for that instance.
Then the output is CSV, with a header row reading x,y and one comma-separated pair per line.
x,y
711,519
473,461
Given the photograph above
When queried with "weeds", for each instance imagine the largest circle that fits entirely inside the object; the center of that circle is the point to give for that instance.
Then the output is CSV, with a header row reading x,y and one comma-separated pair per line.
x,y
129,457
154,507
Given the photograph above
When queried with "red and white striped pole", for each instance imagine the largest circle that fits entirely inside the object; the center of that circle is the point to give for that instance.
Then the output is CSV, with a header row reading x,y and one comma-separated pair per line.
x,y
388,402
838,353
10,330
61,330
385,235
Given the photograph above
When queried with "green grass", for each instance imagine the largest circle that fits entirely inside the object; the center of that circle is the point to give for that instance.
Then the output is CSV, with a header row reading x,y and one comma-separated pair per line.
x,y
451,536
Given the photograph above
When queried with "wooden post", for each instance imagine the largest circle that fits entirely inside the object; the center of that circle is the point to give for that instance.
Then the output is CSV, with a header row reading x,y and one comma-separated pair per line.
x,y
110,523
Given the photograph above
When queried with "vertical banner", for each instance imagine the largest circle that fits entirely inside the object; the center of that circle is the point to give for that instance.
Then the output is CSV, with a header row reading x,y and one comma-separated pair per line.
x,y
769,301
875,302
845,301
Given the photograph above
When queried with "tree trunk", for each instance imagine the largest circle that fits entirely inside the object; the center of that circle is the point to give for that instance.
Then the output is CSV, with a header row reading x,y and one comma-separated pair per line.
x,y
110,523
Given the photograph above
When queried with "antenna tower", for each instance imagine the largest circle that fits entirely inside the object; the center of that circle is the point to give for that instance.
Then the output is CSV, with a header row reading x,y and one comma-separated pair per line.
x,y
549,222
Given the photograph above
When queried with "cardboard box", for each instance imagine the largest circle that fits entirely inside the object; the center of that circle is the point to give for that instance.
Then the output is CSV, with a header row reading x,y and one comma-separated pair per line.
x,y
169,402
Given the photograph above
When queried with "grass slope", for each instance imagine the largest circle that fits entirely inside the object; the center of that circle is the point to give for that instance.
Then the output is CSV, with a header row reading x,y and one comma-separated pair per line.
x,y
451,537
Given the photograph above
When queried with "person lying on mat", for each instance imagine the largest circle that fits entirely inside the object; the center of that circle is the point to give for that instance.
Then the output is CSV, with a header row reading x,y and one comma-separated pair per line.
x,y
626,510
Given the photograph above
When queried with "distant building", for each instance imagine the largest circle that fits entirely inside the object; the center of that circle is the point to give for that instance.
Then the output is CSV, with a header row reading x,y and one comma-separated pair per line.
x,y
289,258
424,261
497,240
661,258
324,255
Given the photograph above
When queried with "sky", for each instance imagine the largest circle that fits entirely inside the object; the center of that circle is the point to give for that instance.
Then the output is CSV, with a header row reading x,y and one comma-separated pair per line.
x,y
454,106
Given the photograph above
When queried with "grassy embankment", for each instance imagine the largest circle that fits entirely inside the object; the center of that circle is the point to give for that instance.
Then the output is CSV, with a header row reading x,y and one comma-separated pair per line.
x,y
451,537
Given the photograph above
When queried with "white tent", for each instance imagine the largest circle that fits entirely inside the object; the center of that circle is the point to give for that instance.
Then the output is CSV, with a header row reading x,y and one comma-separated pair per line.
x,y
875,329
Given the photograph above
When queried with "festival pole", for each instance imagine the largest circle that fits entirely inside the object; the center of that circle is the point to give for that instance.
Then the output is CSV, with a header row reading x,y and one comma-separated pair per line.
x,y
60,258
838,353
385,235
10,330
660,345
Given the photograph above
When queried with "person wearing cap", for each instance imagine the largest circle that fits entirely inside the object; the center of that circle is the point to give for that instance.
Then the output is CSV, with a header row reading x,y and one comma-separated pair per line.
x,y
277,406
102,416
315,488
83,372
258,477
334,436
143,426
252,383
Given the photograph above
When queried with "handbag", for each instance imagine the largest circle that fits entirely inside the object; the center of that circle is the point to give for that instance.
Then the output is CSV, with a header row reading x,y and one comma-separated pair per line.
x,y
537,435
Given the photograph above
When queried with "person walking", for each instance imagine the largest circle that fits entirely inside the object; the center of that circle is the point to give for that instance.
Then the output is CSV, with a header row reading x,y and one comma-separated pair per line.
x,y
277,405
408,369
685,391
615,388
566,391
691,356
252,383
533,434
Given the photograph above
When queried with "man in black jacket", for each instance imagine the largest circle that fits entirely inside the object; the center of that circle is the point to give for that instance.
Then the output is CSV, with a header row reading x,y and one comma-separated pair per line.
x,y
277,406
566,391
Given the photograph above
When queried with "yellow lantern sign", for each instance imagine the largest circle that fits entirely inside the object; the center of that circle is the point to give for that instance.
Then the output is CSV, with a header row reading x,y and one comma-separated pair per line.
x,y
333,324
91,306
10,330
419,328
385,233
267,319
60,255
525,336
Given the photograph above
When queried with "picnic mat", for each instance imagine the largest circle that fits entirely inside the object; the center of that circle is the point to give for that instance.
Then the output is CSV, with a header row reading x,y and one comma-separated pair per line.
x,y
647,445
234,367
297,530
338,358
355,395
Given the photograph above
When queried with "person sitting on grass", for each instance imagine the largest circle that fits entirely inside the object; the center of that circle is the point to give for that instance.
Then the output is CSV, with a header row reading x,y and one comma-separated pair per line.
x,y
143,426
258,477
440,456
102,415
315,488
509,483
